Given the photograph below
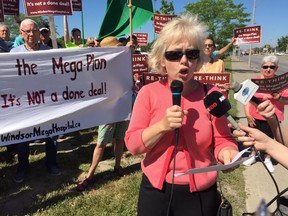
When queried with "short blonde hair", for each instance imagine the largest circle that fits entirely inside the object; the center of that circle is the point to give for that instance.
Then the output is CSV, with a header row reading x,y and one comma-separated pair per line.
x,y
186,27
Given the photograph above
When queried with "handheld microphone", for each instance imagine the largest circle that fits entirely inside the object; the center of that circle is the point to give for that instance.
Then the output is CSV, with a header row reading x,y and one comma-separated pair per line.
x,y
176,89
218,105
244,92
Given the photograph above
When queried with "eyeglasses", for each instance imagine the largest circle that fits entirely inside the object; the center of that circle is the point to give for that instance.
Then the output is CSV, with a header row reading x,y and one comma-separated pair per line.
x,y
176,55
209,45
271,67
30,31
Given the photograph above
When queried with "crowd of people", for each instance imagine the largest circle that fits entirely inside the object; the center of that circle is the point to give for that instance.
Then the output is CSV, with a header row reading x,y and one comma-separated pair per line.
x,y
172,138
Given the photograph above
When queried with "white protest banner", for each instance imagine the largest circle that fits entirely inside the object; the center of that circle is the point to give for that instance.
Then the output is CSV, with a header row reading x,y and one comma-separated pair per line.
x,y
52,92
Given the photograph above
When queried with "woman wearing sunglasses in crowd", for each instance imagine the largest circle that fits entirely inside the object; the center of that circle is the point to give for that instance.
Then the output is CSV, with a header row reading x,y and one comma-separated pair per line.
x,y
203,139
269,67
211,63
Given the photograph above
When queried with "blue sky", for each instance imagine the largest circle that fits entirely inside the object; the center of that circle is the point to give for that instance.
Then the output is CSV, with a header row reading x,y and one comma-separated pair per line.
x,y
272,15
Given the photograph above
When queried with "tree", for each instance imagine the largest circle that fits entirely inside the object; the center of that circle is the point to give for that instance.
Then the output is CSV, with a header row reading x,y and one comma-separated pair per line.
x,y
282,43
14,27
221,17
166,8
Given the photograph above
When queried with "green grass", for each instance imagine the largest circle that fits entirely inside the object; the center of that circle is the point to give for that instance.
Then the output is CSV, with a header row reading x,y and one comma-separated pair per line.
x,y
42,194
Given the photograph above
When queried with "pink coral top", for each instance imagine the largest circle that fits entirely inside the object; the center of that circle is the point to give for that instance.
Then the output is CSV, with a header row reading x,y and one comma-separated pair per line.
x,y
196,147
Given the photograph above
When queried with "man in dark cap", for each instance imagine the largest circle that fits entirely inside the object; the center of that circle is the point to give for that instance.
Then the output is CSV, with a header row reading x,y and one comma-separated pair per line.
x,y
45,35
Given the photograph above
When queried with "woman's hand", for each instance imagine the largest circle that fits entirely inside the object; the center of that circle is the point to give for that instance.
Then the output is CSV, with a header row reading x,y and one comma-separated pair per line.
x,y
252,137
173,118
251,120
266,109
226,156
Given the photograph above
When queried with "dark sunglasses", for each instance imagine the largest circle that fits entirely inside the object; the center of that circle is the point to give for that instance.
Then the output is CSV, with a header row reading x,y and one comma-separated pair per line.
x,y
176,55
209,45
271,67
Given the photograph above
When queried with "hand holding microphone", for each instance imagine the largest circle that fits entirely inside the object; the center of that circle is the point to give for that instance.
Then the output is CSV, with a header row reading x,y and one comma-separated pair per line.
x,y
175,114
244,92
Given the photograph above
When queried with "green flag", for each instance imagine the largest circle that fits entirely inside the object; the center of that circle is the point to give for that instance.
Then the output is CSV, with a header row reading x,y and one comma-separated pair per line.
x,y
117,18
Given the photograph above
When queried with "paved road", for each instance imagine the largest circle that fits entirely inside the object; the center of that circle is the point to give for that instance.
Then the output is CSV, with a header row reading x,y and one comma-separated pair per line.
x,y
256,62
258,183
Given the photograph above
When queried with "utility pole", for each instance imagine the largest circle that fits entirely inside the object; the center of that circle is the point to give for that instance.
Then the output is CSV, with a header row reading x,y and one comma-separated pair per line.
x,y
253,18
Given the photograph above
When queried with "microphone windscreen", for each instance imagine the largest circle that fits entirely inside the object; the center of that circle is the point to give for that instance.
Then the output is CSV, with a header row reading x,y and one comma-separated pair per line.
x,y
176,86
236,86
217,104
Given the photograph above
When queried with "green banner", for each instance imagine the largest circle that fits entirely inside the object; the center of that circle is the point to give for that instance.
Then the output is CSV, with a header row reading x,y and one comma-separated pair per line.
x,y
117,18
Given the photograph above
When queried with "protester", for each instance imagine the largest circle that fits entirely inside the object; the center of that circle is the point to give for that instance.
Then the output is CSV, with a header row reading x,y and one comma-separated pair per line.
x,y
30,33
75,40
90,42
269,67
134,44
45,34
106,134
5,36
3,46
203,139
254,137
211,64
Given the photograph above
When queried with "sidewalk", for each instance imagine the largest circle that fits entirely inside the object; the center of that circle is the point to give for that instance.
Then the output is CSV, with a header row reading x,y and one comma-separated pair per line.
x,y
258,183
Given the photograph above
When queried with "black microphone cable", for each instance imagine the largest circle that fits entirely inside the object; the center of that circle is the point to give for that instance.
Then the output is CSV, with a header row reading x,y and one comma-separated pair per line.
x,y
176,88
278,192
173,173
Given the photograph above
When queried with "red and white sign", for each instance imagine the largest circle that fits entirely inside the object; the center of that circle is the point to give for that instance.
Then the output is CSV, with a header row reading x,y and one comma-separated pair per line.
x,y
1,12
248,35
142,38
160,20
217,79
274,84
152,77
47,7
11,7
77,5
140,64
